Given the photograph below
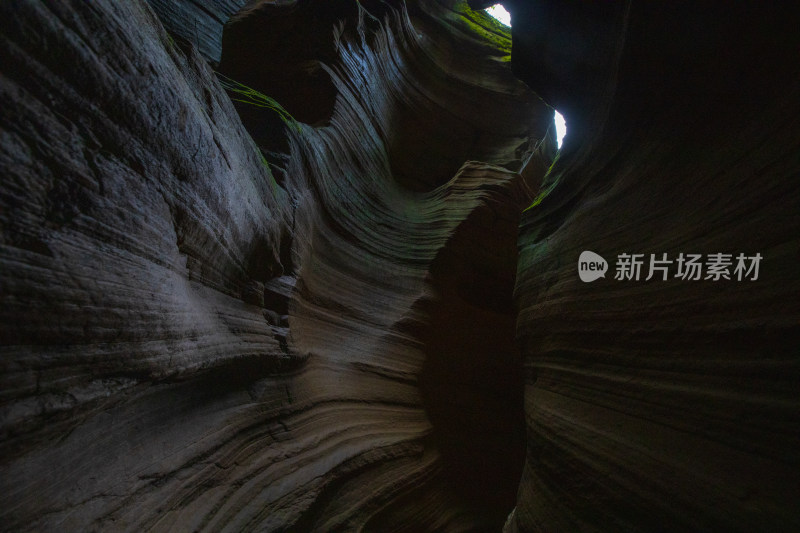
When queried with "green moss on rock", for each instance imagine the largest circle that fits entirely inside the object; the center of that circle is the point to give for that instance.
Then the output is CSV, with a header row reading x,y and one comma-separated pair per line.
x,y
485,27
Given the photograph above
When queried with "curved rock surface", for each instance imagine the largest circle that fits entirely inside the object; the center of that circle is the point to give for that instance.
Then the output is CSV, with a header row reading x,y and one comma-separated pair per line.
x,y
663,405
189,344
199,22
371,320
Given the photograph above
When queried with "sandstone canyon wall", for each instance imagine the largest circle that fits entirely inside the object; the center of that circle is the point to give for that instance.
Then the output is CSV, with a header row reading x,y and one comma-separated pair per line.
x,y
367,316
663,405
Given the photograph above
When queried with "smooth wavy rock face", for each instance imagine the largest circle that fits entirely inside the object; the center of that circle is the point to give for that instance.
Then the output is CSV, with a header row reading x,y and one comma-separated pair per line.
x,y
665,405
215,320
188,344
200,22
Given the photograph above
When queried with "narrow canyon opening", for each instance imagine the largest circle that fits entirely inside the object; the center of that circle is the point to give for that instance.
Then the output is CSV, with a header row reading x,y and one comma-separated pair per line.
x,y
499,13
561,127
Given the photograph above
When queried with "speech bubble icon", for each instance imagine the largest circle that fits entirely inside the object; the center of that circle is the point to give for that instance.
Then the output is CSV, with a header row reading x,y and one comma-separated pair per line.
x,y
591,266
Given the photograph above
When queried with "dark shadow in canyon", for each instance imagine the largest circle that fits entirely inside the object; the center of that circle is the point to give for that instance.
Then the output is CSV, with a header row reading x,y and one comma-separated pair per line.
x,y
472,379
278,49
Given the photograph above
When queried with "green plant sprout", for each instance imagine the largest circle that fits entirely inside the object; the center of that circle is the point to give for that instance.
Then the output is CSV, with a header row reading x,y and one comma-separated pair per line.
x,y
547,187
273,183
250,96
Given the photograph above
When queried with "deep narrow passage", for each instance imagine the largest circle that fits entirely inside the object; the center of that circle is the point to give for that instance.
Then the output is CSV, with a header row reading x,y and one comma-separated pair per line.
x,y
472,380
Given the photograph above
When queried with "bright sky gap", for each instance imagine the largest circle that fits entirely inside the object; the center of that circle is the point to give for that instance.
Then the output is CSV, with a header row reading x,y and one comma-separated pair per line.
x,y
498,12
561,127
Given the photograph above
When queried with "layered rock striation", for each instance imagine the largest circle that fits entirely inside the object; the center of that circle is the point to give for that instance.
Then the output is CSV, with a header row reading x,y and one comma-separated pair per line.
x,y
663,405
358,308
309,332
200,22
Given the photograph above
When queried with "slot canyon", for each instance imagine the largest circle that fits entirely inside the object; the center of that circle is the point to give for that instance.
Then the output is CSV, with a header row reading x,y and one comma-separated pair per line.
x,y
316,266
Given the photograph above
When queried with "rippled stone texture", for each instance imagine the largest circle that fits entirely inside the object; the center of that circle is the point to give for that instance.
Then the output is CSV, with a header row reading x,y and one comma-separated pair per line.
x,y
190,344
212,321
664,405
198,21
